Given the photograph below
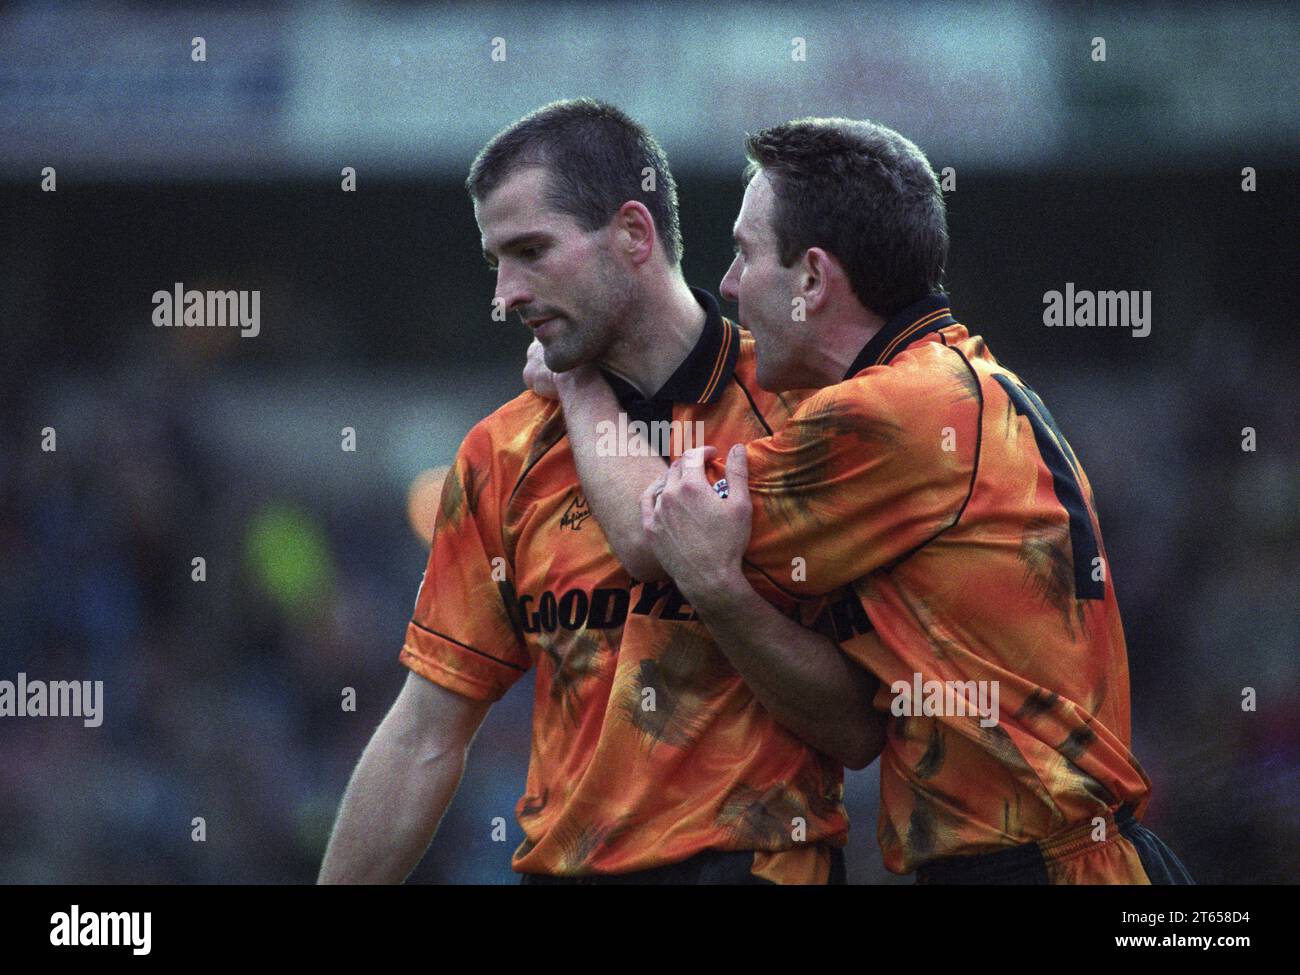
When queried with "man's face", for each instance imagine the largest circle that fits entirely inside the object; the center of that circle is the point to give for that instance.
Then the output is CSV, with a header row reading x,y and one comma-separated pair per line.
x,y
562,280
764,289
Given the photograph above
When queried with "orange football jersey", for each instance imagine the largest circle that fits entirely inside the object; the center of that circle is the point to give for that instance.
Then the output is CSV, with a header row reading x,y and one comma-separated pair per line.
x,y
647,746
938,487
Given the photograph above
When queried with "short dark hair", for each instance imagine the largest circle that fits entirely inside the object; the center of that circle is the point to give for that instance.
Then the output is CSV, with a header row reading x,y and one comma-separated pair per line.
x,y
596,157
862,192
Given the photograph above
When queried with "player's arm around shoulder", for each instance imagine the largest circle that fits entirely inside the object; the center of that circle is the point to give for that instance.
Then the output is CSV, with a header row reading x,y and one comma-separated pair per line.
x,y
802,677
863,472
402,785
799,675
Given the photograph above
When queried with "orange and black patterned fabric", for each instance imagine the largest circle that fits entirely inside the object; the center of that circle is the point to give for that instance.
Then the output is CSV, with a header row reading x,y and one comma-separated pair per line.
x,y
937,485
647,747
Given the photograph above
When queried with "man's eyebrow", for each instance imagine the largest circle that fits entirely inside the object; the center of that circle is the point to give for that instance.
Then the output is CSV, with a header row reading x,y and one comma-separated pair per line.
x,y
737,236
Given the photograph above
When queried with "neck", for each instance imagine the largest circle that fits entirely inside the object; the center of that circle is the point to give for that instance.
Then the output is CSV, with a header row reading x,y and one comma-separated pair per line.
x,y
663,328
841,341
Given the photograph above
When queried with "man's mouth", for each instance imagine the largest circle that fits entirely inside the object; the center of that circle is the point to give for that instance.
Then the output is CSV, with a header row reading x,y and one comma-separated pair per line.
x,y
542,327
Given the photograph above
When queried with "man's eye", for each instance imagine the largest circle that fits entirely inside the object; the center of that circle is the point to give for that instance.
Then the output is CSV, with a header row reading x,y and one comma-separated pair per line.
x,y
530,253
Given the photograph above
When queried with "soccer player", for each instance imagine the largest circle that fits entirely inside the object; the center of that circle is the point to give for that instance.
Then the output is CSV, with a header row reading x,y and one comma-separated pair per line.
x,y
931,481
654,759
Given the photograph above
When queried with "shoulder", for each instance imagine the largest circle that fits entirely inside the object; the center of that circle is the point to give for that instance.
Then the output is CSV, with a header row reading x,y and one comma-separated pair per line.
x,y
925,388
506,439
513,420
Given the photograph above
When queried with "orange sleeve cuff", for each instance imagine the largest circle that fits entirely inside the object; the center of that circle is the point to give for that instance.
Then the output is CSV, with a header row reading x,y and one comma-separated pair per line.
x,y
457,666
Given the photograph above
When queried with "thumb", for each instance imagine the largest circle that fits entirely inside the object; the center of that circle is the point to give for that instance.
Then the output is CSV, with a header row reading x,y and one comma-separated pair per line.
x,y
650,499
737,472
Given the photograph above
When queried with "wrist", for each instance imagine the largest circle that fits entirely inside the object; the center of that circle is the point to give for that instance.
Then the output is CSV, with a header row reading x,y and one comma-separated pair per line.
x,y
719,593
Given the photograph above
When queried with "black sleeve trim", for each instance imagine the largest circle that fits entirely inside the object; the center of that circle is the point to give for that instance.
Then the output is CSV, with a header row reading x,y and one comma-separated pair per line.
x,y
752,405
466,646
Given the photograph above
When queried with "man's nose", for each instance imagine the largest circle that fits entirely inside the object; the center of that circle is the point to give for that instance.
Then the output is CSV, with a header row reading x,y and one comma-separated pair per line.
x,y
730,280
512,291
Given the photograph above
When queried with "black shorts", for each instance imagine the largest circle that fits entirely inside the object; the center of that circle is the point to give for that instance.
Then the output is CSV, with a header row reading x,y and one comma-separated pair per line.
x,y
1026,864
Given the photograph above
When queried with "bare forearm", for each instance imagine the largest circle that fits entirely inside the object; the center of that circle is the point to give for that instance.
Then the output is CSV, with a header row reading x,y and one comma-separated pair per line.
x,y
391,809
802,677
612,484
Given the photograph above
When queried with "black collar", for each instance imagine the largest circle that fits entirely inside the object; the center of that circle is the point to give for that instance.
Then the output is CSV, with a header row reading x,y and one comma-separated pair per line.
x,y
915,321
704,373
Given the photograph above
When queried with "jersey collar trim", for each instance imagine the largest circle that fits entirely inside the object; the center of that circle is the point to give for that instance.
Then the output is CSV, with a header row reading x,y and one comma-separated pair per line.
x,y
704,373
913,323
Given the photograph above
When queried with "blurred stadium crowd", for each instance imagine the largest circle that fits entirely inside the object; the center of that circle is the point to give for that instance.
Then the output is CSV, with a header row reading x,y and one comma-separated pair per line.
x,y
223,697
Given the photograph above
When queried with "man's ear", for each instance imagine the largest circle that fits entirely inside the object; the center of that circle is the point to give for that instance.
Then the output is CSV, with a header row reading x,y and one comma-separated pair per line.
x,y
820,276
634,231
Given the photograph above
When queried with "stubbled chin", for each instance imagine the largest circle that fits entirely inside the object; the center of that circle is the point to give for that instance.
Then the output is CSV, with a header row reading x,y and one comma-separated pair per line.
x,y
558,361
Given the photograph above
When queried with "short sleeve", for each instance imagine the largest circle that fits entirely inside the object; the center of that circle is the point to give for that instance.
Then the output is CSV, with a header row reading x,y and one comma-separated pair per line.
x,y
461,635
861,475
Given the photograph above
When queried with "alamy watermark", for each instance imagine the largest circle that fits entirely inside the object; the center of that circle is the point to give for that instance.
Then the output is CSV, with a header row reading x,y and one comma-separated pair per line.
x,y
241,309
73,929
1103,309
53,699
639,438
950,699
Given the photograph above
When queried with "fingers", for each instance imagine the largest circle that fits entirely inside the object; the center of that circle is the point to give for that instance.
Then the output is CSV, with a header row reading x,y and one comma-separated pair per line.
x,y
689,468
690,465
738,471
534,365
675,470
694,458
650,500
